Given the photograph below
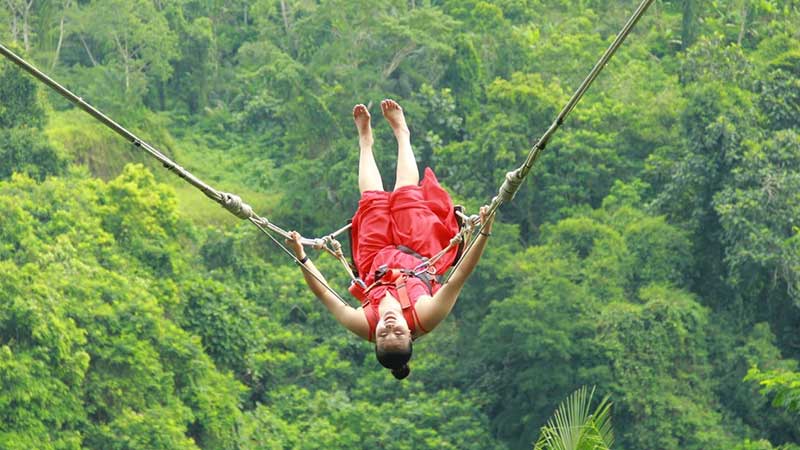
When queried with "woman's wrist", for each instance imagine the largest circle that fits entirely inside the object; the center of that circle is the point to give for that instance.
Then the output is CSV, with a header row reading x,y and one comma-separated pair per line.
x,y
302,259
487,227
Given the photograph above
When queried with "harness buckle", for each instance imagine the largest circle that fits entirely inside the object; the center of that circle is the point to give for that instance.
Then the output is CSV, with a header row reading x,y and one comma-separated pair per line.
x,y
382,270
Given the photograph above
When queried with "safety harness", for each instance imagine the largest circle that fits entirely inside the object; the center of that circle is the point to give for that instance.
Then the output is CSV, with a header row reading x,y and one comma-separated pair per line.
x,y
398,278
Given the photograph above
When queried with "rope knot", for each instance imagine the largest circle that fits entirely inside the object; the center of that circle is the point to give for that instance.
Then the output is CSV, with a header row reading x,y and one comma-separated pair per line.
x,y
236,206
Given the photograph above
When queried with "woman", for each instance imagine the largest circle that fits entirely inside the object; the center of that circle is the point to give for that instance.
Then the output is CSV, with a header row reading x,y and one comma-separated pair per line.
x,y
394,230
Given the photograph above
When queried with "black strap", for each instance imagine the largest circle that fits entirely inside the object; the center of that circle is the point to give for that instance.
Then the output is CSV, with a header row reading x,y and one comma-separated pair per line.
x,y
410,251
427,279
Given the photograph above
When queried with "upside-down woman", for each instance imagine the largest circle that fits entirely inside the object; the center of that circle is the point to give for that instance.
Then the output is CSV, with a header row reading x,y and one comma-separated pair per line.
x,y
391,232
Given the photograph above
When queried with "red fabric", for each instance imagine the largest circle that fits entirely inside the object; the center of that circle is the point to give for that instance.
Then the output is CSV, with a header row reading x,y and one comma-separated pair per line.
x,y
418,217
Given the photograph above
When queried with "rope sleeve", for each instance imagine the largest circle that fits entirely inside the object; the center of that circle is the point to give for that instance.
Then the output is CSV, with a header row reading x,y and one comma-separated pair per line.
x,y
510,186
234,204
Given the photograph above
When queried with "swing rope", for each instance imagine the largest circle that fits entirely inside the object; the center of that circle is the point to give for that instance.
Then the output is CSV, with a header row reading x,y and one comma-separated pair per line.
x,y
236,206
514,179
231,202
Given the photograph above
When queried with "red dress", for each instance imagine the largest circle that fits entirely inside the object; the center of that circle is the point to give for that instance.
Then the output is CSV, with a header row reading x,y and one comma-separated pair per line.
x,y
418,217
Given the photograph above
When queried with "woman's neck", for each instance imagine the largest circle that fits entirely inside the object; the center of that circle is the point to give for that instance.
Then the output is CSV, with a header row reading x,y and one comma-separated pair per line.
x,y
389,303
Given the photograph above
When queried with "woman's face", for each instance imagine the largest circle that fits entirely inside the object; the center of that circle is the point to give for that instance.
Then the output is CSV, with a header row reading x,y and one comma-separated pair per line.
x,y
392,332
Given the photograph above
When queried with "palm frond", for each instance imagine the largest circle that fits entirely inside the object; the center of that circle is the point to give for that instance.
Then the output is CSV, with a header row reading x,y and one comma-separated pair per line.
x,y
573,427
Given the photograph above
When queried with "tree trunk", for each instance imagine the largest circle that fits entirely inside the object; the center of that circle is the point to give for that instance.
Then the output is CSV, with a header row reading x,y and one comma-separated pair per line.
x,y
287,26
26,28
123,53
127,74
743,27
398,58
88,52
14,25
285,14
67,4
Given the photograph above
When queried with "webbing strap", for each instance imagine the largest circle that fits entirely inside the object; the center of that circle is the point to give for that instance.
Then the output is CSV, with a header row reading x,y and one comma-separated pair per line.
x,y
405,302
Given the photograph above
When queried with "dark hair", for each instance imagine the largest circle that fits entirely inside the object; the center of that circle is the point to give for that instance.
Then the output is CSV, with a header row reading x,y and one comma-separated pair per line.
x,y
395,360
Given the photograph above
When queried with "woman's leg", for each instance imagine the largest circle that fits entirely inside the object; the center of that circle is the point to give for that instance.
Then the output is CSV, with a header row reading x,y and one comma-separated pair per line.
x,y
369,177
407,171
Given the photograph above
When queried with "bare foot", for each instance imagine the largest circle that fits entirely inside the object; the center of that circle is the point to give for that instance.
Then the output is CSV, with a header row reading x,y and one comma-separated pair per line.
x,y
394,114
362,119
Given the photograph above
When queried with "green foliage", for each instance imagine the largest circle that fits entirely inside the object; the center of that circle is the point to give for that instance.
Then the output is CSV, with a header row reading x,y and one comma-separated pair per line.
x,y
27,151
763,445
740,354
22,115
224,321
783,384
43,364
573,427
658,360
759,209
197,61
133,41
128,377
21,105
653,252
431,421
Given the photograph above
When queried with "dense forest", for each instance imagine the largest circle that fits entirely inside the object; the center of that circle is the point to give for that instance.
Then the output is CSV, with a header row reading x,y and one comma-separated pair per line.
x,y
653,252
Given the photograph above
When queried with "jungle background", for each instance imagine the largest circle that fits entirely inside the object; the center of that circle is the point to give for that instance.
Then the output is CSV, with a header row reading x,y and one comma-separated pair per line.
x,y
654,251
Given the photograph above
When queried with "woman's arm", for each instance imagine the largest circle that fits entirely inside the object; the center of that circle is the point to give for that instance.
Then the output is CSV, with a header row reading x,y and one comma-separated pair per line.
x,y
439,306
351,318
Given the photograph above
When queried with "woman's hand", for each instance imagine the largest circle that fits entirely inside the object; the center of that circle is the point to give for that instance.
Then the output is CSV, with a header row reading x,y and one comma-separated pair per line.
x,y
486,222
294,243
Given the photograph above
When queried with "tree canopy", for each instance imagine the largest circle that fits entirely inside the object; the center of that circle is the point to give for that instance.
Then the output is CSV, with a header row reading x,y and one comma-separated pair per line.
x,y
653,252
